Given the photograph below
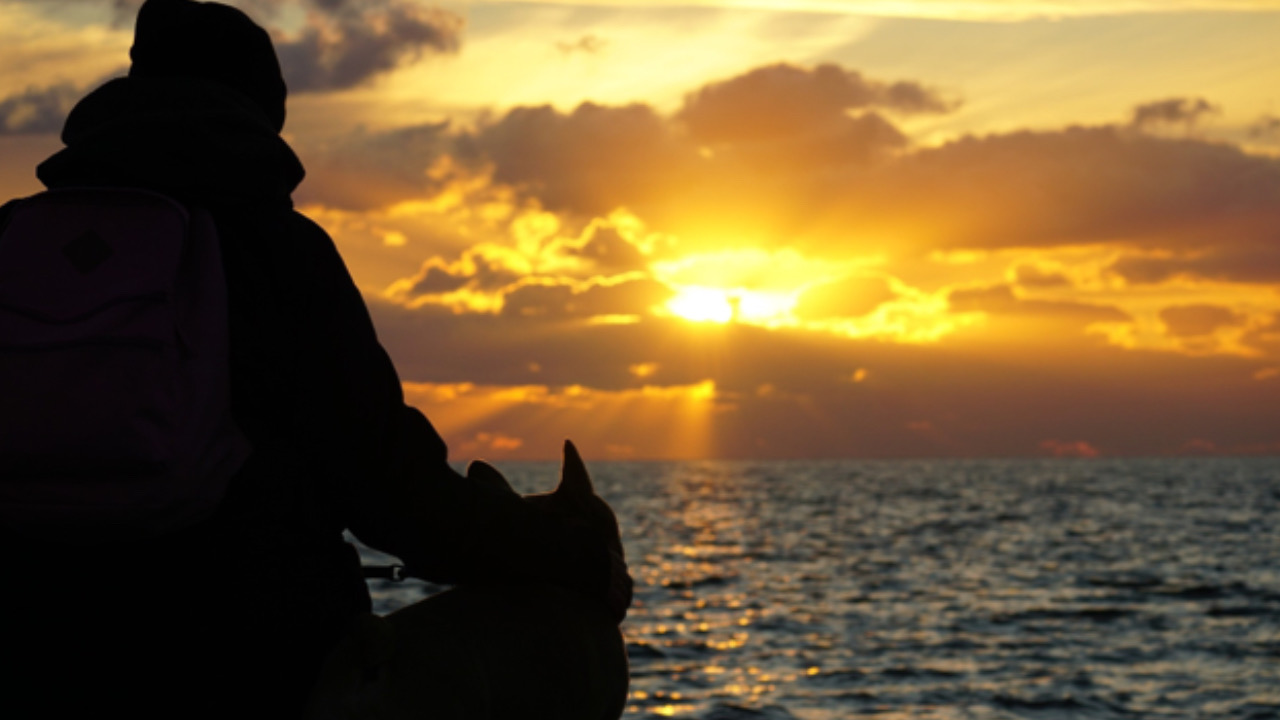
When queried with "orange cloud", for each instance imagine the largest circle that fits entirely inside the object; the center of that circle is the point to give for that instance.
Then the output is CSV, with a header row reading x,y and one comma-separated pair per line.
x,y
592,160
1032,323
624,297
649,421
1078,449
822,394
1196,320
1033,276
784,101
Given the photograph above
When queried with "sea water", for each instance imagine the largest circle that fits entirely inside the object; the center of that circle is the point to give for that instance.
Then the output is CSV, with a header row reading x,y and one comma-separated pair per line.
x,y
945,589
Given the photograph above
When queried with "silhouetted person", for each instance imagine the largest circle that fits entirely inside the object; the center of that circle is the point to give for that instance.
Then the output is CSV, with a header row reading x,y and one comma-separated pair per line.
x,y
235,615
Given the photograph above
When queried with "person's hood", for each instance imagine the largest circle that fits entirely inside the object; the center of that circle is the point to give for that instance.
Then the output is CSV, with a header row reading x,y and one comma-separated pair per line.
x,y
194,139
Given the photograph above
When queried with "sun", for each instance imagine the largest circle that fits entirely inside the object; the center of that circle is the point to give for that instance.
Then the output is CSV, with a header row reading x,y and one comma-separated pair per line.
x,y
725,305
701,304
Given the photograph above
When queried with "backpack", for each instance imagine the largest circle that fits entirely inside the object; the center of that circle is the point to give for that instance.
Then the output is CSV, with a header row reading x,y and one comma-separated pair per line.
x,y
115,408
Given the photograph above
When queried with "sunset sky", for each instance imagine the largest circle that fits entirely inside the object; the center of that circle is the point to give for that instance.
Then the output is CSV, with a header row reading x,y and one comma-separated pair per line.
x,y
757,228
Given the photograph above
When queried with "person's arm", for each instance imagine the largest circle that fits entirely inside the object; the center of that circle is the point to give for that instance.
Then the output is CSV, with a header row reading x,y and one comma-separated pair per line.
x,y
403,497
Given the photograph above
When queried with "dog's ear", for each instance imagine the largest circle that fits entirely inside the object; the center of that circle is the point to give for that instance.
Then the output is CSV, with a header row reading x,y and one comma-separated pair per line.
x,y
487,474
573,474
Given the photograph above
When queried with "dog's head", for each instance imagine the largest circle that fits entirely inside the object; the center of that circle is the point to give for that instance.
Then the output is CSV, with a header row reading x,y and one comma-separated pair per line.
x,y
574,499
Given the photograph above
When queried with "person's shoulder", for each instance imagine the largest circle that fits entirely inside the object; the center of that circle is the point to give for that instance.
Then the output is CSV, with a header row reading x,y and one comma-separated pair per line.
x,y
307,235
278,225
305,226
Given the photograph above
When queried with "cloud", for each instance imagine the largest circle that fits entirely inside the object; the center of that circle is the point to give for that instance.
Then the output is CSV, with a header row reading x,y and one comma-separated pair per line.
x,y
592,160
1267,126
1033,276
475,271
1255,263
808,175
630,297
974,403
1266,337
366,170
1077,449
608,251
341,45
1001,300
596,159
805,173
123,12
1198,320
348,43
848,297
784,101
482,269
38,110
1080,185
1186,112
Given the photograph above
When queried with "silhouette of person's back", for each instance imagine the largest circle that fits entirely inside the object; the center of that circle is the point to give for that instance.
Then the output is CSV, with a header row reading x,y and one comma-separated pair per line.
x,y
236,613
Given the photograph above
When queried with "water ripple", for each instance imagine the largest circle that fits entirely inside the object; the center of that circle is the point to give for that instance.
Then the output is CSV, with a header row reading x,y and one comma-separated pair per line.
x,y
998,589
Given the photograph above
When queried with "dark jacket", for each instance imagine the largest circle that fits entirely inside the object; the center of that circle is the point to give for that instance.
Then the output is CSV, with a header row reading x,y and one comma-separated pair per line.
x,y
264,587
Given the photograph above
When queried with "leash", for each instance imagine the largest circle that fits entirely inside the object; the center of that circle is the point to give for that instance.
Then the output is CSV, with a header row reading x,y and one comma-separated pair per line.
x,y
394,573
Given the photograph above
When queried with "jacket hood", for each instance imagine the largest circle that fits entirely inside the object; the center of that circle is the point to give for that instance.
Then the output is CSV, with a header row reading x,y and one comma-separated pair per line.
x,y
186,39
194,139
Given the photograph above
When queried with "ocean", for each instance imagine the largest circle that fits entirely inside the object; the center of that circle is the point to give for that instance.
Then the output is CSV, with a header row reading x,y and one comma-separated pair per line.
x,y
944,589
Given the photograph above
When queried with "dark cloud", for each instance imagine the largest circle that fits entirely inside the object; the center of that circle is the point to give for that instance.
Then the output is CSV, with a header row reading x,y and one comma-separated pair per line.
x,y
473,271
1071,187
1198,320
44,109
1267,126
539,300
1266,338
344,44
1258,264
592,160
351,42
1000,300
1033,277
367,170
786,101
849,143
1186,112
850,297
628,297
38,110
435,278
122,11
774,134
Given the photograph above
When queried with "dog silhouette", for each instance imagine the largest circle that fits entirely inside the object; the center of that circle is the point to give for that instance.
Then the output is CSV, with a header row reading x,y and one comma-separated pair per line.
x,y
489,652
